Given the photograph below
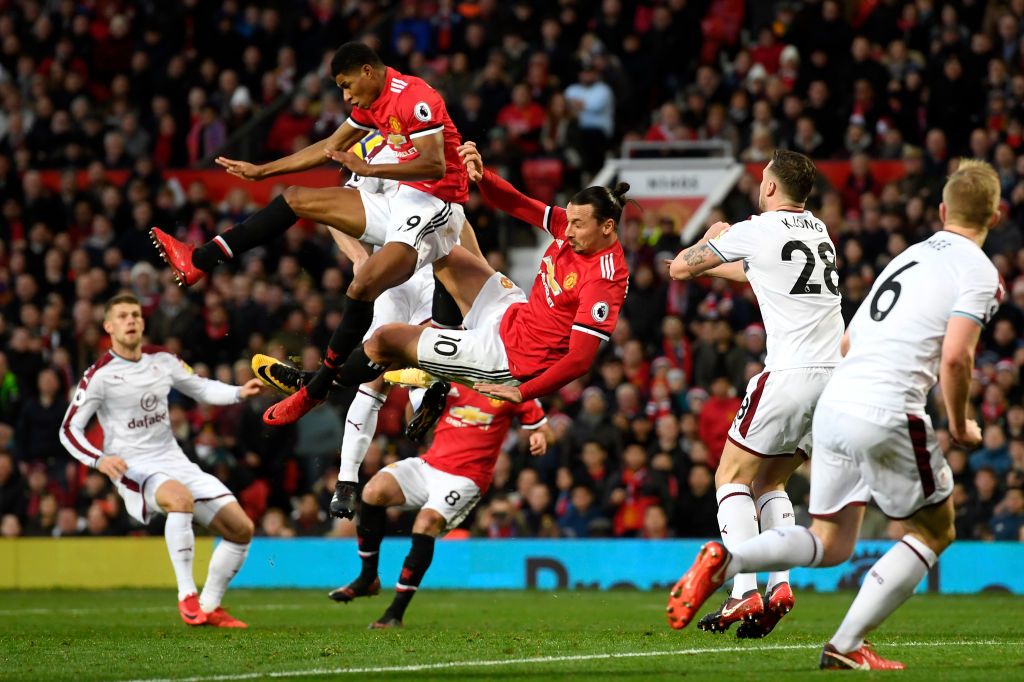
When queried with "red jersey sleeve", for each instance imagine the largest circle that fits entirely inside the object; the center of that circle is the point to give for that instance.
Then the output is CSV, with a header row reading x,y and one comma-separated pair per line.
x,y
531,414
360,119
499,194
422,110
600,302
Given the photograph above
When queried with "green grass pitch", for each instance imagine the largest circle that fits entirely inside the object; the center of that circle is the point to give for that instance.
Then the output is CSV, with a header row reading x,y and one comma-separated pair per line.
x,y
137,635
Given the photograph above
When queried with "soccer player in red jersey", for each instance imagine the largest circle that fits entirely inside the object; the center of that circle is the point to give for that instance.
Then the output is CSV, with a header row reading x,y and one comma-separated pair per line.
x,y
444,485
419,224
514,348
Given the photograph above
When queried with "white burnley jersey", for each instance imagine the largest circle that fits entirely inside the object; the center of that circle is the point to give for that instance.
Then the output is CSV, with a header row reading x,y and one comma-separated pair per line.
x,y
896,335
130,400
790,262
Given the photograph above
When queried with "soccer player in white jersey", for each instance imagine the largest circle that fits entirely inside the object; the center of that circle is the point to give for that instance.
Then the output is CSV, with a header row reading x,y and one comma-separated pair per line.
x,y
788,258
412,302
126,389
872,437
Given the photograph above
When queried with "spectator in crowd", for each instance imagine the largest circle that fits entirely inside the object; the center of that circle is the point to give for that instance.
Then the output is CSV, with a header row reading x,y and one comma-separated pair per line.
x,y
89,131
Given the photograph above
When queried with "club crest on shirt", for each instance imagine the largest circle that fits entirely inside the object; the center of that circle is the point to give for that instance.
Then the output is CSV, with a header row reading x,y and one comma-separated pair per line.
x,y
600,311
496,402
395,124
506,282
570,281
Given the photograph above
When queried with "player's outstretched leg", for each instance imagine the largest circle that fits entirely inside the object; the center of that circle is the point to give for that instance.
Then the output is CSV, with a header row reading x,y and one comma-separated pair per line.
x,y
690,592
360,427
190,264
371,532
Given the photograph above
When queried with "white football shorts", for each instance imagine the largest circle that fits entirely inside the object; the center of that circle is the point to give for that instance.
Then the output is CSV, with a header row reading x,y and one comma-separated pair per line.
x,y
425,487
863,453
412,217
774,419
477,353
146,473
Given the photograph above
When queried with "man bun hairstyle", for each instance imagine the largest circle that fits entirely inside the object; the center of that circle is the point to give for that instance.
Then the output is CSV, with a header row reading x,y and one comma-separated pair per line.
x,y
608,202
351,57
795,174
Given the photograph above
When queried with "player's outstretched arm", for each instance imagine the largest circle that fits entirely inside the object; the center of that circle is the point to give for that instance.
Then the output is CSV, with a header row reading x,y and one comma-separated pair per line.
x,y
310,157
207,391
86,401
429,164
730,271
955,371
499,194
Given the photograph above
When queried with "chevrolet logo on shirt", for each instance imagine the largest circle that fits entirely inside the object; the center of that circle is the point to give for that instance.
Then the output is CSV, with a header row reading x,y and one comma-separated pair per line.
x,y
471,415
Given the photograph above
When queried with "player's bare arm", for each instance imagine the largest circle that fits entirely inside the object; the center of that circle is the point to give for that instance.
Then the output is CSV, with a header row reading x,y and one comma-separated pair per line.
x,y
955,371
694,261
310,157
844,343
538,444
355,250
249,389
428,165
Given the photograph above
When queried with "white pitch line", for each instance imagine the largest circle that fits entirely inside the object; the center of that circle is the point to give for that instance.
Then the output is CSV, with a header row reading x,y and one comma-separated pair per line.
x,y
318,672
136,609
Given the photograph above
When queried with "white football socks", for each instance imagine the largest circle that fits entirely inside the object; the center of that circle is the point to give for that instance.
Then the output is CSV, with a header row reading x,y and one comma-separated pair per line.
x,y
226,561
360,428
775,510
737,522
776,550
888,583
181,546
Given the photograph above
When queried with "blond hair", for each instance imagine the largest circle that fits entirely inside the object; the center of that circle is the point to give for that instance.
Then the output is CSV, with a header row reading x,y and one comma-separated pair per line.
x,y
972,194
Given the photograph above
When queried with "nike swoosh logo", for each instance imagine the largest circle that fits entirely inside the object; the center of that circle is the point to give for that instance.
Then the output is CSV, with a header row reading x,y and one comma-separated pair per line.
x,y
265,375
863,665
727,611
190,617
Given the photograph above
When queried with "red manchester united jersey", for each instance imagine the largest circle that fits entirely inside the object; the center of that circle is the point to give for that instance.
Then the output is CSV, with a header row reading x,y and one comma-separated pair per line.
x,y
408,108
572,292
469,435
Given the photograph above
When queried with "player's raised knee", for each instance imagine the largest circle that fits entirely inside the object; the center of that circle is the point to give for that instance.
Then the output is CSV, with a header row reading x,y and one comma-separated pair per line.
x,y
293,196
174,497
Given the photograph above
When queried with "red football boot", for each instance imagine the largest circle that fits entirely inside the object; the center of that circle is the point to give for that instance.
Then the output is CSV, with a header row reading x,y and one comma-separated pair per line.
x,y
219,618
691,591
190,611
291,409
777,604
178,255
745,610
863,658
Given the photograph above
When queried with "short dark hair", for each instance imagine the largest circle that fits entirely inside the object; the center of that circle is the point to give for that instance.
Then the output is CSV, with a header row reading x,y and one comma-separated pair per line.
x,y
351,56
124,297
795,172
607,202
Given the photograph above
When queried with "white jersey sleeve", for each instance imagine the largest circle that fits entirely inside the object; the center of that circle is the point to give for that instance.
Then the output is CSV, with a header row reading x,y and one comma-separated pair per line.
x,y
87,400
199,389
979,296
737,242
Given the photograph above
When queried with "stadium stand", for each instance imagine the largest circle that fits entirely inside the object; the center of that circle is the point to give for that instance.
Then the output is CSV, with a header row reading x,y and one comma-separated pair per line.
x,y
100,101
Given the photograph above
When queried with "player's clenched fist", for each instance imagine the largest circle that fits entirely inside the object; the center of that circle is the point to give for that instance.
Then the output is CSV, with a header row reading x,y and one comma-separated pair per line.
x,y
240,169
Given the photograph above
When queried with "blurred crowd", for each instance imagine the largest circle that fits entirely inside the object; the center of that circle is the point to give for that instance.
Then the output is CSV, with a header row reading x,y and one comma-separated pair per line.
x,y
548,88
